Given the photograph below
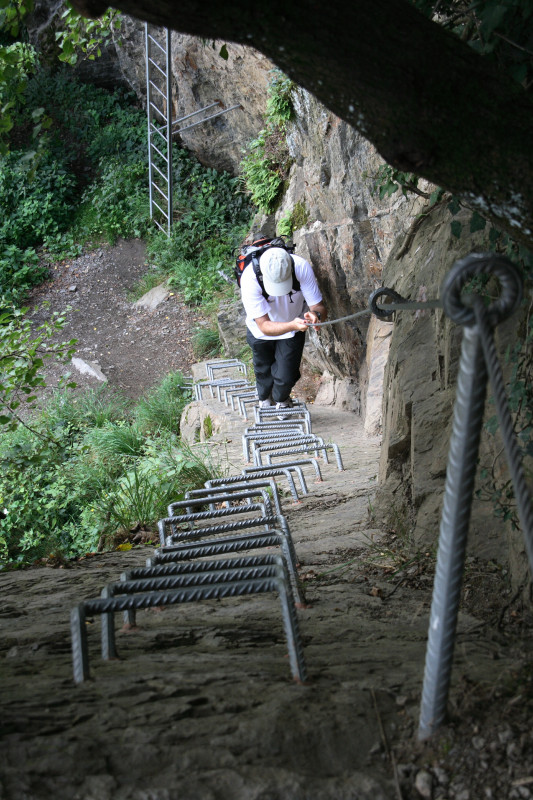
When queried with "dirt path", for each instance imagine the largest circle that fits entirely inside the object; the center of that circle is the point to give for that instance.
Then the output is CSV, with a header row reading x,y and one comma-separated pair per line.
x,y
133,347
201,705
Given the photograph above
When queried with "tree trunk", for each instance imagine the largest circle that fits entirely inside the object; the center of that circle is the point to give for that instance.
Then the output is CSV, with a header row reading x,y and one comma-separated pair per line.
x,y
428,102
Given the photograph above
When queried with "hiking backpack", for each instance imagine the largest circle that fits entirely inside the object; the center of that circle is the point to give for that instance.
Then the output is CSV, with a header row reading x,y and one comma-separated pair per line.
x,y
251,253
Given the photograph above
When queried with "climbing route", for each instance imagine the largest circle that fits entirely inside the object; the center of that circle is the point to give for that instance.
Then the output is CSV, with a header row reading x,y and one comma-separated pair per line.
x,y
240,514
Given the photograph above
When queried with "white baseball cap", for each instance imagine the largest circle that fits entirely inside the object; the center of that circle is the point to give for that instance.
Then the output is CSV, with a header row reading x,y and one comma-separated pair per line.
x,y
276,268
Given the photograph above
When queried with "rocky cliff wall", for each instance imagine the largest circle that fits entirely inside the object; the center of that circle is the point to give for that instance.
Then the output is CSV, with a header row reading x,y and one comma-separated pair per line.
x,y
419,394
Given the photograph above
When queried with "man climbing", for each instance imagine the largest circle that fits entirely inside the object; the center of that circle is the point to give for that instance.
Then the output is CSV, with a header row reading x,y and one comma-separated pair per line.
x,y
276,326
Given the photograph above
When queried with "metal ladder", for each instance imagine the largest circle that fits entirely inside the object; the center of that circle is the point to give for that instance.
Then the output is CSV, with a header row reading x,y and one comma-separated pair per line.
x,y
159,109
161,127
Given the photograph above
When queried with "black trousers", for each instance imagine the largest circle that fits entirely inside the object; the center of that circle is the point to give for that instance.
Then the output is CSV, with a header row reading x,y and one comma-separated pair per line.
x,y
276,364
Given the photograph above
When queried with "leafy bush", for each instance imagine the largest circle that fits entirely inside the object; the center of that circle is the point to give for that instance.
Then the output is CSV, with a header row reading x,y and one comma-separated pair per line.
x,y
77,476
83,180
91,408
19,271
279,104
114,441
117,204
145,492
33,204
22,353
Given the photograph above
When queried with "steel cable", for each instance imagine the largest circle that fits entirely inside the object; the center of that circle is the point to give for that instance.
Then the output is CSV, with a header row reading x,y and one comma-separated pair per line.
x,y
478,357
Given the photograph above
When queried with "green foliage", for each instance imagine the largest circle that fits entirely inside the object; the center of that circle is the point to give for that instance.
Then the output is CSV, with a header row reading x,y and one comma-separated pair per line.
x,y
280,108
388,180
300,215
96,407
93,408
33,205
19,270
206,343
266,165
17,60
116,205
111,442
81,35
144,492
93,153
284,227
87,468
22,354
293,220
161,409
213,218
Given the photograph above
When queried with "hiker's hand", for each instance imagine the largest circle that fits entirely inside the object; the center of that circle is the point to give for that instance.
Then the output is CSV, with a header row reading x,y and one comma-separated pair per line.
x,y
311,318
300,324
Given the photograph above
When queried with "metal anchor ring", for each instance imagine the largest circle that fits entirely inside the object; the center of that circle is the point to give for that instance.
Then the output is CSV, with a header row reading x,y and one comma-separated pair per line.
x,y
482,264
379,311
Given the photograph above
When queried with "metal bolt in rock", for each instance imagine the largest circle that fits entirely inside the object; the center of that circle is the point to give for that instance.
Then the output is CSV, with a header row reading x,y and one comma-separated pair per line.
x,y
266,414
272,524
219,384
202,497
261,442
238,397
188,567
230,363
306,443
222,386
296,465
461,470
226,392
267,522
162,582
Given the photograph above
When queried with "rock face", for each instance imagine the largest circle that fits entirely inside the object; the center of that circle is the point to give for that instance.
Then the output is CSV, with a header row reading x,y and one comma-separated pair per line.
x,y
419,395
202,77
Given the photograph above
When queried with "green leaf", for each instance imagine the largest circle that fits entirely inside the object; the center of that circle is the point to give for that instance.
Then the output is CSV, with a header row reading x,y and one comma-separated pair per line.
x,y
454,206
223,52
477,222
491,17
435,196
456,228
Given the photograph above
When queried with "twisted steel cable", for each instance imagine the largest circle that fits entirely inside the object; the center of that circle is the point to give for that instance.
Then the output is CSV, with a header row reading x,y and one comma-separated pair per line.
x,y
512,448
478,354
460,476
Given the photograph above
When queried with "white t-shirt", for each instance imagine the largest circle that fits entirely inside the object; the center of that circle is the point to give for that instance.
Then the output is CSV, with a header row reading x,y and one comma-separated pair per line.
x,y
279,309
